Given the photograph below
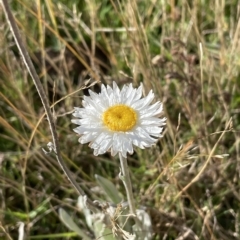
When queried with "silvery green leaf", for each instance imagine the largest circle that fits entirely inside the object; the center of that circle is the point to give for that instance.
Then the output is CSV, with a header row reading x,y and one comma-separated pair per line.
x,y
109,189
102,232
86,211
21,231
67,220
146,233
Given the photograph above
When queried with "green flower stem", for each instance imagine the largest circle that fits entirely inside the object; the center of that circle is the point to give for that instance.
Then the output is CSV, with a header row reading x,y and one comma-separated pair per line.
x,y
128,186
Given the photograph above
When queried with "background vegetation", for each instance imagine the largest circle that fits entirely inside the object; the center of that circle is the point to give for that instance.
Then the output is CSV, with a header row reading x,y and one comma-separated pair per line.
x,y
188,52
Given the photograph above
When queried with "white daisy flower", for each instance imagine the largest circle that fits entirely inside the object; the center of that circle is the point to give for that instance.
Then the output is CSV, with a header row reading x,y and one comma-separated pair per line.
x,y
118,119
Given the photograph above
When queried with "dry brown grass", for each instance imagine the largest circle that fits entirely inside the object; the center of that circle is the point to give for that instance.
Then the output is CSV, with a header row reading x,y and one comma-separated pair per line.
x,y
186,51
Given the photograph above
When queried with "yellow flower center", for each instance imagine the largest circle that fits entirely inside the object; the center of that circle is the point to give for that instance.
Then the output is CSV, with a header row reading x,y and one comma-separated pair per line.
x,y
120,118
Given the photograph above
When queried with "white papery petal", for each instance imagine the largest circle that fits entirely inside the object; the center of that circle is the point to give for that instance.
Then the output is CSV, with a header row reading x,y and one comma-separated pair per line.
x,y
129,98
142,103
138,93
92,130
151,121
93,95
88,137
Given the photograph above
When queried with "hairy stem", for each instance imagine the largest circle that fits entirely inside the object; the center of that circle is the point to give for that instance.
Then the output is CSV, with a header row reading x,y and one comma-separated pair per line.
x,y
127,183
42,94
128,186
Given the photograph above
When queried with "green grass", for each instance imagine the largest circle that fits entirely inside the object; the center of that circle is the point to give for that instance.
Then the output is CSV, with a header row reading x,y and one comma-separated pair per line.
x,y
188,52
